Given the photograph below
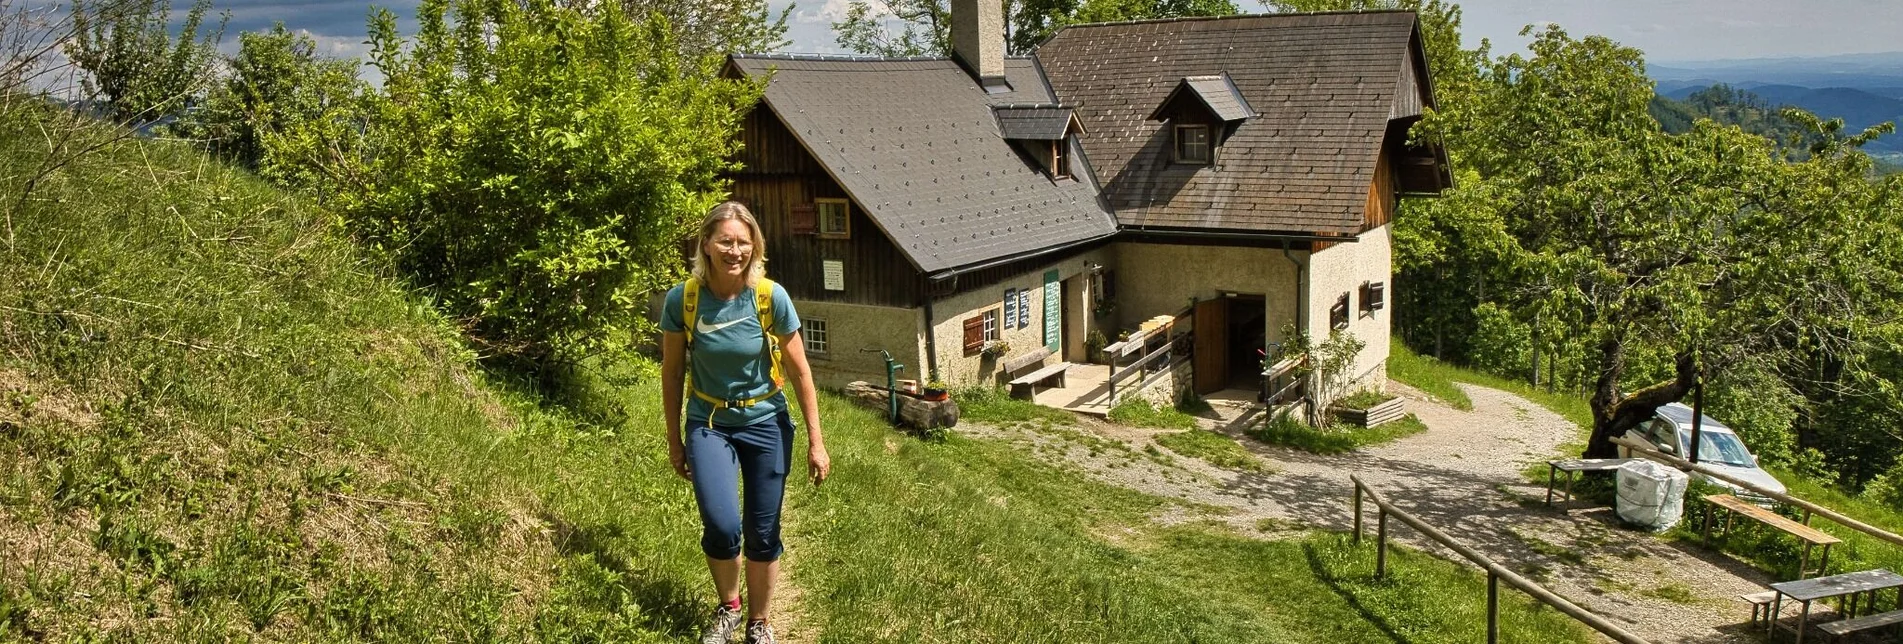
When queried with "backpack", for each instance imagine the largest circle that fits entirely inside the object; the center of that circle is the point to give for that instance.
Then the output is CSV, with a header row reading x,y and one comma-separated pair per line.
x,y
763,306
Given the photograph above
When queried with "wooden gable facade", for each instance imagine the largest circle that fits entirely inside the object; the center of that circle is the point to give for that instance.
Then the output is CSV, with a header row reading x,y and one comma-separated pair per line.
x,y
781,182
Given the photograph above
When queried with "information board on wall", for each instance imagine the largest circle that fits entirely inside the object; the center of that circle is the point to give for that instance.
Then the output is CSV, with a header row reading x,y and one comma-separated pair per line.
x,y
1053,311
835,274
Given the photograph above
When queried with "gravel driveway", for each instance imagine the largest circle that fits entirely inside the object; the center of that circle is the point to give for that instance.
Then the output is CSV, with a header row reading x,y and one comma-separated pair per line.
x,y
1462,475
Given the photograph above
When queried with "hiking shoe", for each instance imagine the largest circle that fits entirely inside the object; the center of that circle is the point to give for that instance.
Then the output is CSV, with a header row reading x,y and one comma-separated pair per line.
x,y
720,628
760,633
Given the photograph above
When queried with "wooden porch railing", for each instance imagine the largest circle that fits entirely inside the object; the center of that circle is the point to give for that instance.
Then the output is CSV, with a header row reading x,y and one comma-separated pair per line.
x,y
1495,572
1161,348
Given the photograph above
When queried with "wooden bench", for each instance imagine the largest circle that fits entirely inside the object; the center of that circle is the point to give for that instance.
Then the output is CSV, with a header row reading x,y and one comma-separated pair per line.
x,y
1760,604
1811,537
1842,627
1572,467
1024,385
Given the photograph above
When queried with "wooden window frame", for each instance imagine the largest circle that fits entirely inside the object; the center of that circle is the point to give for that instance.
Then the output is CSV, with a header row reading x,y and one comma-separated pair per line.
x,y
974,335
1338,314
817,335
1059,169
1373,296
822,220
993,324
1208,145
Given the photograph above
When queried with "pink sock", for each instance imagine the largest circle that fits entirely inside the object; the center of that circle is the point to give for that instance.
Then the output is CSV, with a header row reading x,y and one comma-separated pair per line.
x,y
732,604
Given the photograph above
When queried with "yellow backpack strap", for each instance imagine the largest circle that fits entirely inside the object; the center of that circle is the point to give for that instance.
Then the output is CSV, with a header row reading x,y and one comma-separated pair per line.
x,y
763,304
690,303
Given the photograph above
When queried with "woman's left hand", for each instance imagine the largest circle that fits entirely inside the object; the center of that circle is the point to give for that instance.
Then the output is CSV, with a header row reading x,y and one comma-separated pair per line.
x,y
818,464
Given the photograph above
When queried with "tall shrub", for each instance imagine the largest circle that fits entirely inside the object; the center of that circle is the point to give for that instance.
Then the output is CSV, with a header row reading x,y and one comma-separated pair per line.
x,y
536,166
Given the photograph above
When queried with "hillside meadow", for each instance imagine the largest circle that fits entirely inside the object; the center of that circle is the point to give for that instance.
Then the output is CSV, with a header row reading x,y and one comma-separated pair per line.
x,y
220,420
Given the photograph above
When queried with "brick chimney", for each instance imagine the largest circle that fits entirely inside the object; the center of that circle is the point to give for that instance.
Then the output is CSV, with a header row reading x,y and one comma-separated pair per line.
x,y
978,39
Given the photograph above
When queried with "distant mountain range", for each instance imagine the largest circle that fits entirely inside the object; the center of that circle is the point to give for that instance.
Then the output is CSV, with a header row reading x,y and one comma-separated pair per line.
x,y
1861,89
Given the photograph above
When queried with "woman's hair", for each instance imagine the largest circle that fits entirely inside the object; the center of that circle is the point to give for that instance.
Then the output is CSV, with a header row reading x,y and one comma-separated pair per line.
x,y
719,214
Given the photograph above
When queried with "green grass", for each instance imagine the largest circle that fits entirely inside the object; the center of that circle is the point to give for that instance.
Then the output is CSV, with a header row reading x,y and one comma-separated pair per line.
x,y
1363,399
1338,439
1215,448
1136,412
995,405
1438,379
220,421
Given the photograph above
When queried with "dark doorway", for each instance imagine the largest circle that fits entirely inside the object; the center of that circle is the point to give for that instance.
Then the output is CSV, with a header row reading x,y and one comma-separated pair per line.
x,y
1247,325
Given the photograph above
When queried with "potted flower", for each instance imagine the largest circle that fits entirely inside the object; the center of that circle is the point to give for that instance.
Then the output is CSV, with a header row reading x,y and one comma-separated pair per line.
x,y
995,349
936,391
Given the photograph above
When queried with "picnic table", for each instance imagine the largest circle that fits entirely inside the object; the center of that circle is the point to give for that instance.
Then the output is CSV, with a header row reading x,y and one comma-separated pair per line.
x,y
1572,467
1811,537
1847,585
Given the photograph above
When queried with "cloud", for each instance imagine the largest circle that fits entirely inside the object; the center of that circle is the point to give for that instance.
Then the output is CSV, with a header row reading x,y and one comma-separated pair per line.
x,y
828,12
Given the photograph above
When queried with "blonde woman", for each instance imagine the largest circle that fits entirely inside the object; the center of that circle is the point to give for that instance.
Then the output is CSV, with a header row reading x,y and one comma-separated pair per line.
x,y
730,344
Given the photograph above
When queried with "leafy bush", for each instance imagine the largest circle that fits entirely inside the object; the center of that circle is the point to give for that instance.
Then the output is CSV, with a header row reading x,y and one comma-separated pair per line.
x,y
1284,429
277,79
1499,342
1364,399
134,68
529,163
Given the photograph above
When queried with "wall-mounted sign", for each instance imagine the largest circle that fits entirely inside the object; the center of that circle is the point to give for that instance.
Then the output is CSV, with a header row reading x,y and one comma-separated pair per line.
x,y
835,271
1052,312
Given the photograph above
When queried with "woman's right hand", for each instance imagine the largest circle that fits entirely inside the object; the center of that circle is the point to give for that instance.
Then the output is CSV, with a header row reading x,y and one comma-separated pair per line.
x,y
677,455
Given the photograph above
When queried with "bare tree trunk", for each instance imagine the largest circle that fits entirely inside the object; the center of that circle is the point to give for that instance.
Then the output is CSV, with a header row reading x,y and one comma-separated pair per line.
x,y
1613,414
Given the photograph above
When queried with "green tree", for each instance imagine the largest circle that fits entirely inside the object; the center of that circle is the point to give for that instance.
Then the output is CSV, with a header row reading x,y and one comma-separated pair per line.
x,y
535,166
133,65
716,27
903,28
275,80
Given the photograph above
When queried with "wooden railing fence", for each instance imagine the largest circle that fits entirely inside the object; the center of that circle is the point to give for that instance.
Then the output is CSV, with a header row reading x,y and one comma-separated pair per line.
x,y
1161,348
1495,572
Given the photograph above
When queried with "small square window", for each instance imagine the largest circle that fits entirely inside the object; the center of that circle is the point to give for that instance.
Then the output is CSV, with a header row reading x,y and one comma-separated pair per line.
x,y
834,217
1338,314
991,325
1373,296
813,331
1192,144
1058,168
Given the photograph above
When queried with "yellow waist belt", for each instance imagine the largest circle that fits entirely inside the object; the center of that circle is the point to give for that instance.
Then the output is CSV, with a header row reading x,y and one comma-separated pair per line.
x,y
743,403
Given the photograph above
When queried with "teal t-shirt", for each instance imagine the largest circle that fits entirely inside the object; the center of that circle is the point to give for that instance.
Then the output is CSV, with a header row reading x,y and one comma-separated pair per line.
x,y
729,359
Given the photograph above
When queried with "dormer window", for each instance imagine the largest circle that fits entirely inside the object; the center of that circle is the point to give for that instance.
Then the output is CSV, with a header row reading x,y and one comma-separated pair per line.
x,y
1192,144
1202,111
1042,131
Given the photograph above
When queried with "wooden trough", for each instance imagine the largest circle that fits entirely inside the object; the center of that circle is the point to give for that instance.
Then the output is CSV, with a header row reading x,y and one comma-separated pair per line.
x,y
1386,412
914,412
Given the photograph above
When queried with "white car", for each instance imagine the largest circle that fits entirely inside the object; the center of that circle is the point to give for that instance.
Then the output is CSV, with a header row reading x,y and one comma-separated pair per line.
x,y
1670,431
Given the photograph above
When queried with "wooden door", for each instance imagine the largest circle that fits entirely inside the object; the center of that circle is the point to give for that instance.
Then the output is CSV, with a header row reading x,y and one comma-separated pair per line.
x,y
1212,346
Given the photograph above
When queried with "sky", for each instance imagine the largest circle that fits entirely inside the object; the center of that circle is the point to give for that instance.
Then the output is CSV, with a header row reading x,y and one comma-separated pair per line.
x,y
1667,30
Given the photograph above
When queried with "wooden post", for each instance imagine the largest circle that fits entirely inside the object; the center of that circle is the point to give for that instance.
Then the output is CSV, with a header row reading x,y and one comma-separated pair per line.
x,y
1381,543
1493,608
1357,513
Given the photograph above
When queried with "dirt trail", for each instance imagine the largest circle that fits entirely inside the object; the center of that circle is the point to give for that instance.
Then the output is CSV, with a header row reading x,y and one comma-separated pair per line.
x,y
1462,476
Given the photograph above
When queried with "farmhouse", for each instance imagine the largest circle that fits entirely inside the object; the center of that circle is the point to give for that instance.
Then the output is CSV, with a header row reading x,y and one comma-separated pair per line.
x,y
1216,180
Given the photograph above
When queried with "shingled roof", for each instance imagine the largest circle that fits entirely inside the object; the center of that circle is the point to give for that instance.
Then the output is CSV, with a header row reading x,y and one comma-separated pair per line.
x,y
1034,122
1217,93
915,144
1323,86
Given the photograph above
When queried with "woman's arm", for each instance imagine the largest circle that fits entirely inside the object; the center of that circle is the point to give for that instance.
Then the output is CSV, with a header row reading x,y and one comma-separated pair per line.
x,y
800,374
673,373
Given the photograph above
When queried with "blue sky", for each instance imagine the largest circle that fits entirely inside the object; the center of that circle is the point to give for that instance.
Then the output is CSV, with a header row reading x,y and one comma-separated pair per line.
x,y
1668,30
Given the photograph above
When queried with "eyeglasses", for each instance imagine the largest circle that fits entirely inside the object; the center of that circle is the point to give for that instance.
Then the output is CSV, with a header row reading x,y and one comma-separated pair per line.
x,y
733,244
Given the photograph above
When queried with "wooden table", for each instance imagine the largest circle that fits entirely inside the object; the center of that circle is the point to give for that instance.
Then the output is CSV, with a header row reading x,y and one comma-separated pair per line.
x,y
1811,536
1572,467
1847,584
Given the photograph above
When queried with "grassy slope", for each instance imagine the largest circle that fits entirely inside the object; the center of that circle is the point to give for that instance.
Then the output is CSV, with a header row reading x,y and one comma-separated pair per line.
x,y
217,420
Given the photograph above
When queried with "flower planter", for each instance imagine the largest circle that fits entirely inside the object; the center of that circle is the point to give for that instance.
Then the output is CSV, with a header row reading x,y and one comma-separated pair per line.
x,y
1391,410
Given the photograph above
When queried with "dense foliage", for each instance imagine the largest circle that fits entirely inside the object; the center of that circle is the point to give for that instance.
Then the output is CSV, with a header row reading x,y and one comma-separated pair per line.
x,y
923,27
275,82
136,70
528,163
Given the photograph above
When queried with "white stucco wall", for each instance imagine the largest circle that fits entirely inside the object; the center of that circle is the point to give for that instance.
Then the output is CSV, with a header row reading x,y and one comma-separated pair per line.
x,y
851,327
1343,268
1161,279
949,315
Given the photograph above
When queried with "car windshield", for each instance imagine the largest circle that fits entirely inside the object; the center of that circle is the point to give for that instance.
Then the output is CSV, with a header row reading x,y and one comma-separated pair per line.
x,y
1715,447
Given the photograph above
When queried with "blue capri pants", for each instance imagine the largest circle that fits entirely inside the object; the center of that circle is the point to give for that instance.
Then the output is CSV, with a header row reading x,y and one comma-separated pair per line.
x,y
758,455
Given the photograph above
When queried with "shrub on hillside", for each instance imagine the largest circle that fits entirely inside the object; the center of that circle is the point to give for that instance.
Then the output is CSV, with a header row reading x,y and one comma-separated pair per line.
x,y
535,165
